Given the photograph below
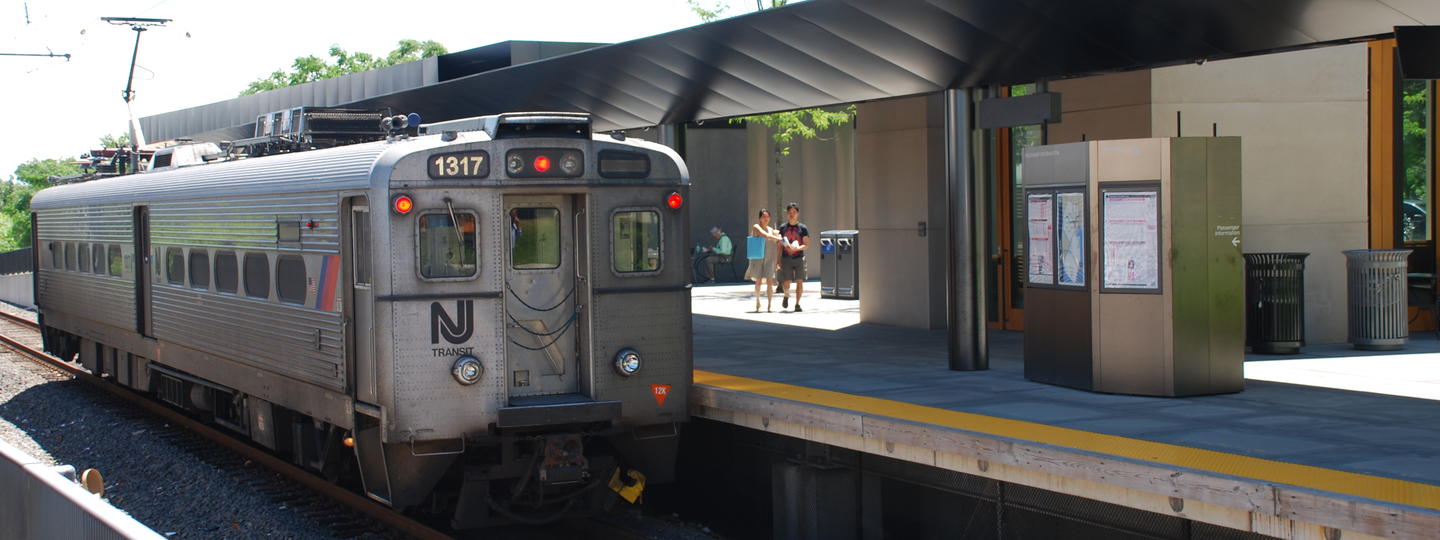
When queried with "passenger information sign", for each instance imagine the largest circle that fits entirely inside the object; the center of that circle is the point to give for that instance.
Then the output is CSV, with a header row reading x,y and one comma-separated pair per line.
x,y
1131,239
1042,239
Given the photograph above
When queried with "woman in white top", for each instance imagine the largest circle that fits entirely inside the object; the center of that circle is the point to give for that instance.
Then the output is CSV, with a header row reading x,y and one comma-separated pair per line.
x,y
762,271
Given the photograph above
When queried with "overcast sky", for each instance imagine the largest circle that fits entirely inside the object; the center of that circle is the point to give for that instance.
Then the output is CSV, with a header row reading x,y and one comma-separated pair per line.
x,y
212,50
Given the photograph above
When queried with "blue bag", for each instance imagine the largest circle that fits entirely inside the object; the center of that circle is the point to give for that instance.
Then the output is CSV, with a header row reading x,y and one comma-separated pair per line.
x,y
755,247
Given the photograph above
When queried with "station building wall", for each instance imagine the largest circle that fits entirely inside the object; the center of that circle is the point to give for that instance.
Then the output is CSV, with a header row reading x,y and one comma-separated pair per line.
x,y
1302,120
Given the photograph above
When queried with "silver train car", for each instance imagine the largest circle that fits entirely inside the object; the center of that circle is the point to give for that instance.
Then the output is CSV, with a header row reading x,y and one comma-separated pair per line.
x,y
492,318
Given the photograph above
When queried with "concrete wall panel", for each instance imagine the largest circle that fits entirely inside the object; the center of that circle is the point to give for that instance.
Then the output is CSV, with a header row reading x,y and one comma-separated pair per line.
x,y
1302,120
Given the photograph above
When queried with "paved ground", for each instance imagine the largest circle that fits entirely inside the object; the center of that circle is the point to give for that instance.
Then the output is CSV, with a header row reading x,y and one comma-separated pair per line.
x,y
1333,407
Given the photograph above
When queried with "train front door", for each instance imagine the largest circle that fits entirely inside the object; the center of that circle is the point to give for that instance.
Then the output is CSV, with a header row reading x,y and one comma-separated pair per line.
x,y
543,281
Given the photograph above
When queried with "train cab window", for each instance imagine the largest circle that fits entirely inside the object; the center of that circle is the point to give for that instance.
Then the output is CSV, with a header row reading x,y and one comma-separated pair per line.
x,y
99,251
175,266
199,269
257,275
360,225
448,249
116,262
534,238
635,241
84,257
227,272
290,279
69,255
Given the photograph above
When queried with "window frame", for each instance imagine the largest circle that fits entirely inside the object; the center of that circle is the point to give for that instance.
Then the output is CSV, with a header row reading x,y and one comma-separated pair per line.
x,y
113,252
610,233
269,288
83,256
446,212
190,273
304,279
99,263
510,247
170,275
215,271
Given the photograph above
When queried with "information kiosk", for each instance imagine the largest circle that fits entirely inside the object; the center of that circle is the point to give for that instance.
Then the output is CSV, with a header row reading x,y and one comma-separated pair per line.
x,y
1134,273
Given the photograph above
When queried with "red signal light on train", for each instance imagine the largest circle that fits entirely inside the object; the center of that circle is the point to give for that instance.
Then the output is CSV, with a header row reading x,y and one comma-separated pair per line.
x,y
542,163
403,204
674,201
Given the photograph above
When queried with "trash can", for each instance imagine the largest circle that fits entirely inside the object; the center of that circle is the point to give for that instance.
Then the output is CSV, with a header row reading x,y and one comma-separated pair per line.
x,y
1275,302
1378,309
840,264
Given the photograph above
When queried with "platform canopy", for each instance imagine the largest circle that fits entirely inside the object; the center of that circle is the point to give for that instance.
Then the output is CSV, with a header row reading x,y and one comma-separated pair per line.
x,y
826,52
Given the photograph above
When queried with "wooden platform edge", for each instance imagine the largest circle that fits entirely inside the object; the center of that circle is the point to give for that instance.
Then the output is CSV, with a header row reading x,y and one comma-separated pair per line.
x,y
1278,510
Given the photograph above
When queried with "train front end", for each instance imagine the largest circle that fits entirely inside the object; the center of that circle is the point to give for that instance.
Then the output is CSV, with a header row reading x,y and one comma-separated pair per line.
x,y
528,307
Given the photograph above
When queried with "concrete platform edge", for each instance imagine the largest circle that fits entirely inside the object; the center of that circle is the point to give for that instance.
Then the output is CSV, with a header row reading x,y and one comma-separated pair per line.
x,y
1279,510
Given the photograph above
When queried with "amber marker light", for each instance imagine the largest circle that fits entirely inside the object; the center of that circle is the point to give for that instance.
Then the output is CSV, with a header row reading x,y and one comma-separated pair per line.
x,y
674,201
349,442
402,204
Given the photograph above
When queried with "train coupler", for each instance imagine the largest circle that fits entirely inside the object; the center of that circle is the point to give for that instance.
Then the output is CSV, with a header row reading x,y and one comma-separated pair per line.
x,y
564,461
629,488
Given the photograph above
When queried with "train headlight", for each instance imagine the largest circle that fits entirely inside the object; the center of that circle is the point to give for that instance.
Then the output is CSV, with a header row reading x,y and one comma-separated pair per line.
x,y
515,164
467,370
627,362
570,164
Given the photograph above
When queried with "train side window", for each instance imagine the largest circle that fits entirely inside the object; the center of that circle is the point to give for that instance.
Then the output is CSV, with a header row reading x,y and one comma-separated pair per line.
x,y
257,275
227,272
99,252
199,269
116,261
69,255
360,225
448,249
56,254
84,257
534,238
175,266
290,279
635,241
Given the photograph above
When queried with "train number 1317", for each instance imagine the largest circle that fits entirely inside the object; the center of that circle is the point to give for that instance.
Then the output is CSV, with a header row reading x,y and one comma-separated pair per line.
x,y
475,164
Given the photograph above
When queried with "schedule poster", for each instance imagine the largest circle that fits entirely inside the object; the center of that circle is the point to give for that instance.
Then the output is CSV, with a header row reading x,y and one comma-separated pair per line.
x,y
1042,239
1070,212
1131,232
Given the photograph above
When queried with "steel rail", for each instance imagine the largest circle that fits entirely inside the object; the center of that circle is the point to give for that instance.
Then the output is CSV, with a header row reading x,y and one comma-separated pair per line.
x,y
355,501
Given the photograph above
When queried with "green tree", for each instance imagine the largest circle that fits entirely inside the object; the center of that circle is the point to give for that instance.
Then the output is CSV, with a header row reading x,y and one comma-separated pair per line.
x,y
115,141
30,177
313,68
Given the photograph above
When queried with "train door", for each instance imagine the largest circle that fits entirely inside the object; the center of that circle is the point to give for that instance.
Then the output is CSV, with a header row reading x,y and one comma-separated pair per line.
x,y
360,300
143,264
542,282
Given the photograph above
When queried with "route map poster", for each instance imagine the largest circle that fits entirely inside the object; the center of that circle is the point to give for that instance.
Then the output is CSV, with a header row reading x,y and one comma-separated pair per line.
x,y
1041,265
1131,239
1070,213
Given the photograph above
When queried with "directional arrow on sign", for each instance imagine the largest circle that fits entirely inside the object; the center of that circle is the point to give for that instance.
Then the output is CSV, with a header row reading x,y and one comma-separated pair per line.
x,y
1235,241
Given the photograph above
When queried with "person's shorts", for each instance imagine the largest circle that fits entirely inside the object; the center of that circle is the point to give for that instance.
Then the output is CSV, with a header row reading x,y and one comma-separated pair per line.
x,y
791,269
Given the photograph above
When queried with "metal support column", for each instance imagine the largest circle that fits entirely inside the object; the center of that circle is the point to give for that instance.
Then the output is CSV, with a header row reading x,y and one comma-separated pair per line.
x,y
964,286
672,135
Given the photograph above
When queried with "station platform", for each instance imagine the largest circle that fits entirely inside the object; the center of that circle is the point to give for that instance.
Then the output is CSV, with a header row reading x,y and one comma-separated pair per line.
x,y
1327,444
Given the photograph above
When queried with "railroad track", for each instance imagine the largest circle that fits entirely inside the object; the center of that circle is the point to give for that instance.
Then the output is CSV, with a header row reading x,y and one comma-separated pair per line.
x,y
325,503
343,512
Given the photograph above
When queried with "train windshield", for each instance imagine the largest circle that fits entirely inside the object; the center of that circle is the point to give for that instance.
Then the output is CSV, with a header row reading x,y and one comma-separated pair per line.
x,y
447,248
534,238
635,244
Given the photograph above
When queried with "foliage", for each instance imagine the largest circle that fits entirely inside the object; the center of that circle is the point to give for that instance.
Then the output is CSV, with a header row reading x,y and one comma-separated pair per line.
x,y
1415,104
804,123
31,176
113,141
312,68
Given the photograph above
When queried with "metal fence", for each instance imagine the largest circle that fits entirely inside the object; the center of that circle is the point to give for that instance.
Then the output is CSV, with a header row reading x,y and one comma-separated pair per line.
x,y
19,261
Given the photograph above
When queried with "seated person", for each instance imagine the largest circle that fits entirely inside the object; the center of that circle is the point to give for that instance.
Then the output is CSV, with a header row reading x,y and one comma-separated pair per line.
x,y
720,253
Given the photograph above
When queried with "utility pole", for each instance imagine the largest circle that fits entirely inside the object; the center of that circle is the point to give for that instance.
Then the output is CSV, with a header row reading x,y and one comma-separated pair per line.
x,y
139,25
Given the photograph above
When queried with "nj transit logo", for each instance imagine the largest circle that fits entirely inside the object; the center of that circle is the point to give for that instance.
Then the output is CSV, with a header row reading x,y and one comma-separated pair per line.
x,y
457,330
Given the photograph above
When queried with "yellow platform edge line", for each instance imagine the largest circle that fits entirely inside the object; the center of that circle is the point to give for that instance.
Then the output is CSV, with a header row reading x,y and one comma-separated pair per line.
x,y
1280,472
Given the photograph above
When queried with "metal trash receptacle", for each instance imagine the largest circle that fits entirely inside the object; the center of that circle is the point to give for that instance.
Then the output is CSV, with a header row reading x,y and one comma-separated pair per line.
x,y
1275,302
840,264
1376,293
